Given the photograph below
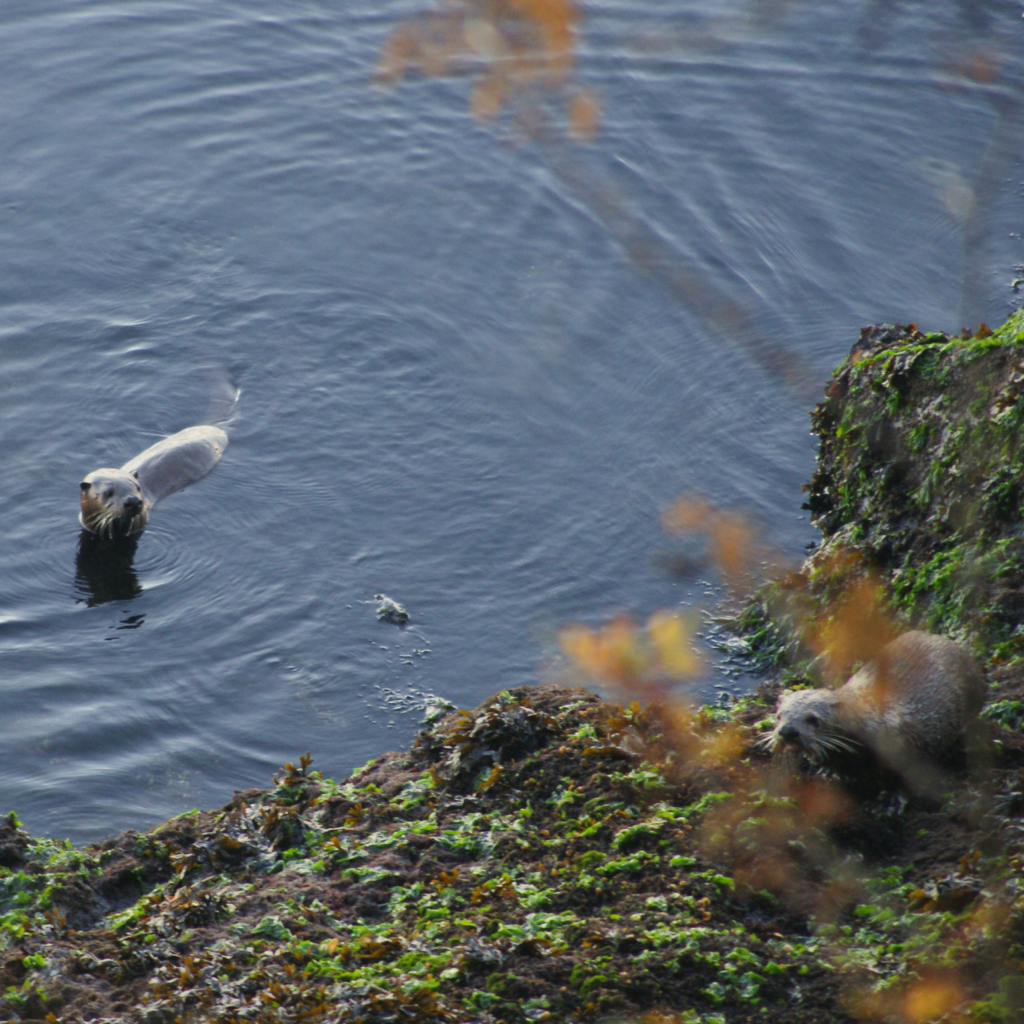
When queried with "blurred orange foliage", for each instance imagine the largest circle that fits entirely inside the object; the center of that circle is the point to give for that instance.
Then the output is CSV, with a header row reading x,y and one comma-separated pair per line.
x,y
853,630
731,537
515,46
584,115
623,653
931,998
928,998
982,65
837,611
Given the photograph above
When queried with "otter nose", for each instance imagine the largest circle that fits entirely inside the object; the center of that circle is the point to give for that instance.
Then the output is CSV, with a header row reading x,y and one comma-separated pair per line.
x,y
132,503
789,732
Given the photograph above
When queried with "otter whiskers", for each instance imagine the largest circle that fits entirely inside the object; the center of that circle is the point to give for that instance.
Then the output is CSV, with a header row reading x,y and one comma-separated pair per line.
x,y
902,711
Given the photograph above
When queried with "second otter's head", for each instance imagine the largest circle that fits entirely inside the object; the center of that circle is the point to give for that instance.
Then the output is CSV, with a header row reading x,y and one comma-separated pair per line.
x,y
807,721
112,503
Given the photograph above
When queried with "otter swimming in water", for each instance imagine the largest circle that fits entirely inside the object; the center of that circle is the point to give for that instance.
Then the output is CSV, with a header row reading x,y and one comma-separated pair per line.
x,y
116,502
902,711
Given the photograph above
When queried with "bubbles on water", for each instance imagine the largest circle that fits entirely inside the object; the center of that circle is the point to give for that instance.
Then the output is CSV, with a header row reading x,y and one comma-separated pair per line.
x,y
428,705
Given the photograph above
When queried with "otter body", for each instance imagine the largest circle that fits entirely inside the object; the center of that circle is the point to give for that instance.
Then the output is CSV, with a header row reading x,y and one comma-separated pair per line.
x,y
116,502
907,707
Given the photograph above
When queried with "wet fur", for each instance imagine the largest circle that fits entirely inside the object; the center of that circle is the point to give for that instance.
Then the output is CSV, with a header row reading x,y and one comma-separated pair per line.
x,y
900,713
117,502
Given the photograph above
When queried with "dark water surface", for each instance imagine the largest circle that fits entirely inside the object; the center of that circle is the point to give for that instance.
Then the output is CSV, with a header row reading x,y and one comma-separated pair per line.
x,y
463,384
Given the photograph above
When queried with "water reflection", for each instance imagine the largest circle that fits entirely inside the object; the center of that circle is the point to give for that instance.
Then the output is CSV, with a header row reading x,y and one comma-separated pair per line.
x,y
523,53
686,281
105,571
989,178
522,56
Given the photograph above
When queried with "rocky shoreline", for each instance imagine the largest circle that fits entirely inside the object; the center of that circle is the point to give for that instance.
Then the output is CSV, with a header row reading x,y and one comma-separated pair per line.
x,y
554,857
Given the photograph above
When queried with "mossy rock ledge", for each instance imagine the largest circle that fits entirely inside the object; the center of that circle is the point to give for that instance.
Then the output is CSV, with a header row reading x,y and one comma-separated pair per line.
x,y
921,471
553,857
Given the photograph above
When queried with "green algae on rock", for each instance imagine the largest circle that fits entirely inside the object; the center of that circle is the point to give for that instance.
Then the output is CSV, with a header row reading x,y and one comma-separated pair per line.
x,y
547,857
523,862
920,470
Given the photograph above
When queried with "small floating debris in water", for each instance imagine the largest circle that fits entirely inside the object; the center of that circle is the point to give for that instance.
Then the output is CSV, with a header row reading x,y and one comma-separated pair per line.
x,y
390,611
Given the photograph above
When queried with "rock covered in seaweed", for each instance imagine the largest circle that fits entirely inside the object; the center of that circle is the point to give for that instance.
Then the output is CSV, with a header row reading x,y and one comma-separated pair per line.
x,y
921,471
580,869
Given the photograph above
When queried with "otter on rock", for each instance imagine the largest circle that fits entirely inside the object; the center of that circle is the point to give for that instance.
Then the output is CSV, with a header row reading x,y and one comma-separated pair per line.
x,y
116,502
902,711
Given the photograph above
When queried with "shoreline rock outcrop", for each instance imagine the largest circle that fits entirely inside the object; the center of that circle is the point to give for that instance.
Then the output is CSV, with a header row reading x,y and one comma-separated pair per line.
x,y
554,857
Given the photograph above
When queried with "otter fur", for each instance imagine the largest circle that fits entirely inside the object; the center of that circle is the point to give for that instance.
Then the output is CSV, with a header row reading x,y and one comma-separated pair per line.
x,y
116,502
901,712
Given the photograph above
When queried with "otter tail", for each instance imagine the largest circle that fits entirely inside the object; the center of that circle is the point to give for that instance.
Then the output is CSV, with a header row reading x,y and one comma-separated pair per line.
x,y
224,394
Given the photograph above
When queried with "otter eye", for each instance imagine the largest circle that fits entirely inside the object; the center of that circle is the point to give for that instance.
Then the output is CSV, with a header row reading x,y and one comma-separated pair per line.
x,y
108,494
811,719
84,485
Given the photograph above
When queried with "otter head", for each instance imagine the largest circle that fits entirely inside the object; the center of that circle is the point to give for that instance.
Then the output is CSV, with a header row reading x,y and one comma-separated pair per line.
x,y
806,720
112,503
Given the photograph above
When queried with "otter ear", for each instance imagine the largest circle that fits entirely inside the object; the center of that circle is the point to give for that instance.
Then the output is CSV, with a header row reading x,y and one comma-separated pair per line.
x,y
136,474
84,485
